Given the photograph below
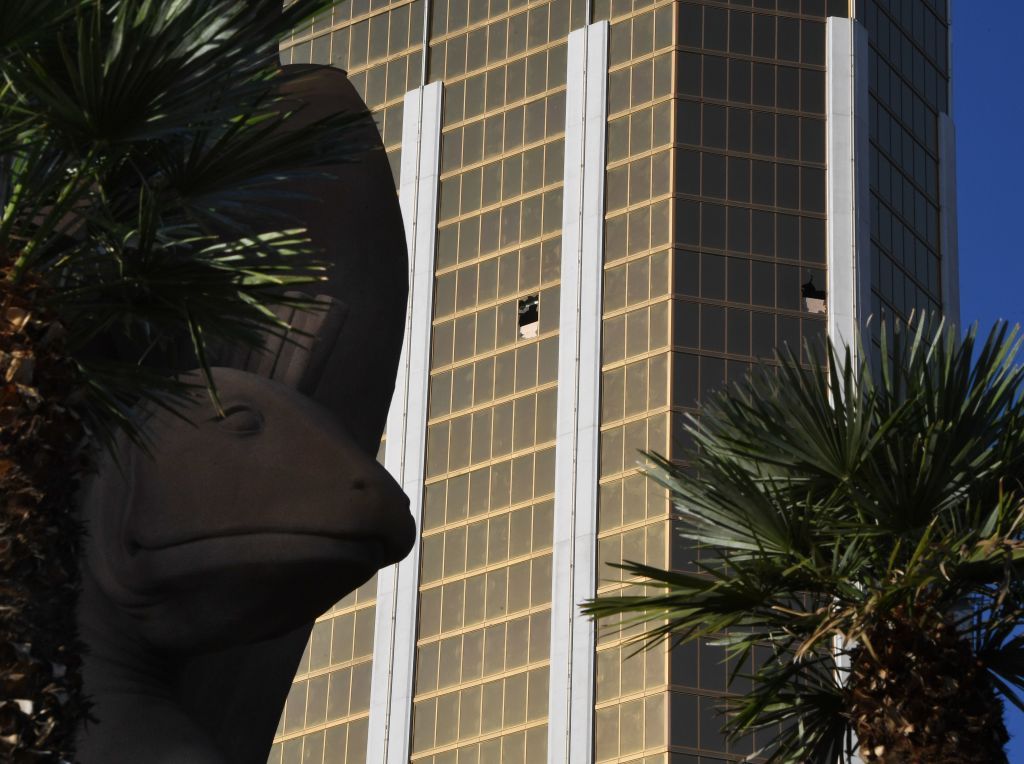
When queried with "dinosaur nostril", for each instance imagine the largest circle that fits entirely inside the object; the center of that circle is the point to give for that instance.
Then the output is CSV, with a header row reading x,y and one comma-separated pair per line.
x,y
358,484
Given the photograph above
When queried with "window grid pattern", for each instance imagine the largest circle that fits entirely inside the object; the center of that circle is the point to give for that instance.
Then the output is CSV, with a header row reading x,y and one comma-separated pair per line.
x,y
326,715
484,620
908,88
714,219
748,232
379,44
630,712
327,712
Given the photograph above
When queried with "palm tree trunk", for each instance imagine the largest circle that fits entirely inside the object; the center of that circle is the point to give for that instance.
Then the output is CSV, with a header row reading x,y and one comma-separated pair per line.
x,y
921,696
42,457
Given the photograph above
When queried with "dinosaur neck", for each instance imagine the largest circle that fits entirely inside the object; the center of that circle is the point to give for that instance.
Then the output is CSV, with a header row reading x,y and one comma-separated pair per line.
x,y
136,715
237,695
212,708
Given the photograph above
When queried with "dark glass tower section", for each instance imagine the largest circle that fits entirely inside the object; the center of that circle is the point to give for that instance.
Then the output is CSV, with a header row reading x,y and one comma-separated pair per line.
x,y
909,97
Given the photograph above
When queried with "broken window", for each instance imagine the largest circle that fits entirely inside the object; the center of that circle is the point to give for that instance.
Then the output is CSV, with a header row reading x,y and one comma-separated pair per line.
x,y
529,322
814,298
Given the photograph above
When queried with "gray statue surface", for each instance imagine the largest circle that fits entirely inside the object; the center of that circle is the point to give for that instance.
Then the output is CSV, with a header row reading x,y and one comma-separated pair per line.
x,y
207,560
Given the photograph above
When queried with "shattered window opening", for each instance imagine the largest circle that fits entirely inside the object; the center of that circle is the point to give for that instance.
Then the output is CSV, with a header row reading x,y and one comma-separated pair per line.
x,y
529,320
814,298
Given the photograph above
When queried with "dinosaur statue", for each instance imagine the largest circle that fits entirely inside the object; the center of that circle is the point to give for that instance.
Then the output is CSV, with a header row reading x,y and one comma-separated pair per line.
x,y
207,560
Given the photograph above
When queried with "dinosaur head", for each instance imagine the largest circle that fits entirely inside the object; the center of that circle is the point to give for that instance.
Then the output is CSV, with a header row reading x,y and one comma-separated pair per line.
x,y
239,527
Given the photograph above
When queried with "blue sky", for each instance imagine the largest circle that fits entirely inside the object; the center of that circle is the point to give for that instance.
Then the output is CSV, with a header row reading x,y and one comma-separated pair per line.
x,y
988,107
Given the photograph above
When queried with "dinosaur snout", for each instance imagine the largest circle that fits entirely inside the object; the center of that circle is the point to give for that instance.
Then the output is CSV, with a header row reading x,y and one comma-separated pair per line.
x,y
272,505
376,508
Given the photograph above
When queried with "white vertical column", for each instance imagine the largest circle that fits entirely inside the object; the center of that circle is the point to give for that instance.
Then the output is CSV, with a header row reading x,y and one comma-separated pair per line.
x,y
394,639
848,202
848,196
571,689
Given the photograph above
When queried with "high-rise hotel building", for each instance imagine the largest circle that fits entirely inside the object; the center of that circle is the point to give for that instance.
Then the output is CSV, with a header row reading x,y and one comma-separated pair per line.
x,y
613,208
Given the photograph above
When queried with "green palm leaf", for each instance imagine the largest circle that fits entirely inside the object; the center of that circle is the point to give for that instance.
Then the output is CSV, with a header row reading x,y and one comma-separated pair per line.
x,y
866,530
141,147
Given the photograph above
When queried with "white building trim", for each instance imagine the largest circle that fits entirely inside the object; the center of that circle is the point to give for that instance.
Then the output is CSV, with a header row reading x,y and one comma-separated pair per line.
x,y
394,639
848,202
848,195
571,689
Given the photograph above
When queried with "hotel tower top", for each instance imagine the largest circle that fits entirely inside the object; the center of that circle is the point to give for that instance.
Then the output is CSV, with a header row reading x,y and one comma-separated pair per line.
x,y
612,208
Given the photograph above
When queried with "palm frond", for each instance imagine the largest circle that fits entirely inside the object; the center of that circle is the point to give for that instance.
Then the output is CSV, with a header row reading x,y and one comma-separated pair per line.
x,y
827,498
142,148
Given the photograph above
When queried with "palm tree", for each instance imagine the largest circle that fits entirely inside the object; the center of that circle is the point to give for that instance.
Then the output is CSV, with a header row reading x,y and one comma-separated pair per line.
x,y
864,532
140,144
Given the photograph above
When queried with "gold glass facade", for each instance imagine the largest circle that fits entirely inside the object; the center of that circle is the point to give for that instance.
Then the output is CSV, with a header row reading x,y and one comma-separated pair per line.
x,y
749,231
631,703
484,628
380,44
325,717
715,219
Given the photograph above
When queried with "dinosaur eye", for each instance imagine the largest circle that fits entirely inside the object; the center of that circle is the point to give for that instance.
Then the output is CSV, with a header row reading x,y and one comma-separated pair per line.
x,y
242,419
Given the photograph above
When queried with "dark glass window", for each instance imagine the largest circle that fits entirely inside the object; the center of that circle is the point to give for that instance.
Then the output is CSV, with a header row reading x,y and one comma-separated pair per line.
x,y
787,294
716,28
739,81
714,77
764,85
813,41
738,270
685,379
812,91
788,146
762,335
839,8
690,25
763,129
740,24
688,122
713,226
712,328
762,236
789,39
689,74
812,237
739,229
738,332
812,189
688,221
764,36
687,273
713,134
713,178
739,179
688,171
787,232
687,324
712,377
739,129
684,721
712,277
787,92
787,186
812,140
763,183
